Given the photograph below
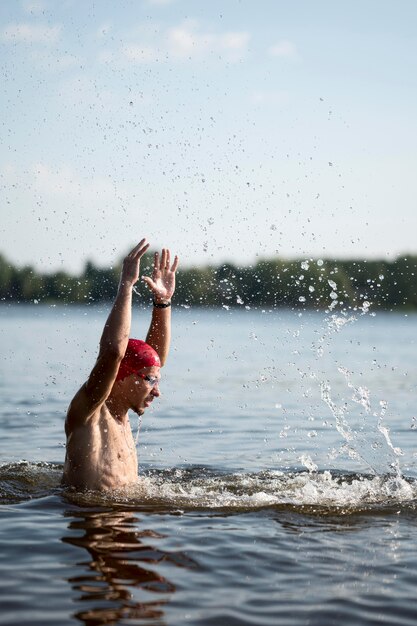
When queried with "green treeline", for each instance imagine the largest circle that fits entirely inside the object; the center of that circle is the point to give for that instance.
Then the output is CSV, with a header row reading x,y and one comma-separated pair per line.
x,y
268,283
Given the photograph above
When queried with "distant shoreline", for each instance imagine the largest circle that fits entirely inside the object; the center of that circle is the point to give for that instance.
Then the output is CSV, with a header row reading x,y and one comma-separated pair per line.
x,y
270,283
177,306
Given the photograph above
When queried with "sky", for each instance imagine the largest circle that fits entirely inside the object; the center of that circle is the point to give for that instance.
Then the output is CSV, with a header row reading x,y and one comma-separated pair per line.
x,y
225,130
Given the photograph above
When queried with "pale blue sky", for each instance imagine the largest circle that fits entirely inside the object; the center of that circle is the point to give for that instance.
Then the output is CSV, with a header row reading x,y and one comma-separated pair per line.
x,y
224,130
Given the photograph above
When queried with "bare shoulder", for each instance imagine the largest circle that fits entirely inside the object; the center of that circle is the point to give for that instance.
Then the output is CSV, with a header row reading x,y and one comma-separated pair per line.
x,y
89,399
80,410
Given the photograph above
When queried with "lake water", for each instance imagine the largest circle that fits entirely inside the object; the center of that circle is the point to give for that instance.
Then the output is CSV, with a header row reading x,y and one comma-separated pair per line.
x,y
277,474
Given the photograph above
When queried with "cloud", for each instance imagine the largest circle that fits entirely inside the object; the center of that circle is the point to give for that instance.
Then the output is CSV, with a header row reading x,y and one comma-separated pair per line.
x,y
185,41
234,41
31,33
284,48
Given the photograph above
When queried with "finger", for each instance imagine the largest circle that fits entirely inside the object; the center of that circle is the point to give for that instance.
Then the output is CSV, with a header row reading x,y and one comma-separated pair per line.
x,y
168,260
163,259
137,247
139,254
156,262
175,264
149,282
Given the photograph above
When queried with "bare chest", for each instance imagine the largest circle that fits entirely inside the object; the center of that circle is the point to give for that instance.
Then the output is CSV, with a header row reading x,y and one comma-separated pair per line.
x,y
102,454
114,442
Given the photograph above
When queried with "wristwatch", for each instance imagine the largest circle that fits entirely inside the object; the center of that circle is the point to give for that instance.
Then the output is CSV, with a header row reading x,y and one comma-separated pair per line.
x,y
161,305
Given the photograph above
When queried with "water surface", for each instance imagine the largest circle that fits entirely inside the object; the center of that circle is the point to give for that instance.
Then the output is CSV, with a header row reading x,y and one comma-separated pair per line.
x,y
277,474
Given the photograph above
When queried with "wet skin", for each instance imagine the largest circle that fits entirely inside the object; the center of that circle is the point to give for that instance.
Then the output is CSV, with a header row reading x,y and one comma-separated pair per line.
x,y
101,452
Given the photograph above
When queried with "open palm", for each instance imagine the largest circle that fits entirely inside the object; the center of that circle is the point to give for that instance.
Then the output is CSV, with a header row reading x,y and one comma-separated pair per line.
x,y
162,283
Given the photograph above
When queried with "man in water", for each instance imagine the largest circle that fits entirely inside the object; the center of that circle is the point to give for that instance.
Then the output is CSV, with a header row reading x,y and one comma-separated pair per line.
x,y
101,452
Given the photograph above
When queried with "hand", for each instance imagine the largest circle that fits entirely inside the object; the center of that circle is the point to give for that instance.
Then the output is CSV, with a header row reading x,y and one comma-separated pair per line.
x,y
131,264
162,283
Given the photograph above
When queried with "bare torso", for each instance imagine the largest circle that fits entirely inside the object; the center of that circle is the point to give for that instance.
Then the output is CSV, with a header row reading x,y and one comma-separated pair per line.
x,y
101,453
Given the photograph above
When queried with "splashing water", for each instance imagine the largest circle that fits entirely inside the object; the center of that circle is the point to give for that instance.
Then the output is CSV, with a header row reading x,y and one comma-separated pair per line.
x,y
308,463
199,488
370,442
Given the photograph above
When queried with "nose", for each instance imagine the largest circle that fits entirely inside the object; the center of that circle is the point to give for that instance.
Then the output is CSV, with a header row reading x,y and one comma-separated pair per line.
x,y
155,391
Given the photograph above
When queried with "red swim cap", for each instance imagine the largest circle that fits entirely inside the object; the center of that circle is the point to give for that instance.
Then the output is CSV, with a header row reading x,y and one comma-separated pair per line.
x,y
138,354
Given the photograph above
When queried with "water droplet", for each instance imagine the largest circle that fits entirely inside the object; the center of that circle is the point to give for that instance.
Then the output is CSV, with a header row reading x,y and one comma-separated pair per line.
x,y
320,262
308,463
301,299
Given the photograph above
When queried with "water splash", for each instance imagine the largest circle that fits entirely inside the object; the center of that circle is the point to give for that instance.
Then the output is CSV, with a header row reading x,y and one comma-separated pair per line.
x,y
370,442
198,488
333,324
308,463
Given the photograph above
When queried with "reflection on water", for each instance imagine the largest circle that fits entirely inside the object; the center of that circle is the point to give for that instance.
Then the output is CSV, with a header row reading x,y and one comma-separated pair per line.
x,y
121,579
262,549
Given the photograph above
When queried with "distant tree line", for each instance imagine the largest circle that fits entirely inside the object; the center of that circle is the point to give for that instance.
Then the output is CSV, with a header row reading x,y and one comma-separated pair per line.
x,y
269,283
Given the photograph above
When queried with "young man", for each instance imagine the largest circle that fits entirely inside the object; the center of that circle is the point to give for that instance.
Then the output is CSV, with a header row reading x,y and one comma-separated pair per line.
x,y
101,452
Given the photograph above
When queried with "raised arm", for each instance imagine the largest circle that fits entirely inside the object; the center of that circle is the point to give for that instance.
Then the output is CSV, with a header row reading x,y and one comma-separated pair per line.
x,y
117,327
113,343
162,285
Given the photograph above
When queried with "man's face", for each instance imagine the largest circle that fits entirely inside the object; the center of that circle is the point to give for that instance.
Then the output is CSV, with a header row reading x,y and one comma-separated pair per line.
x,y
145,388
